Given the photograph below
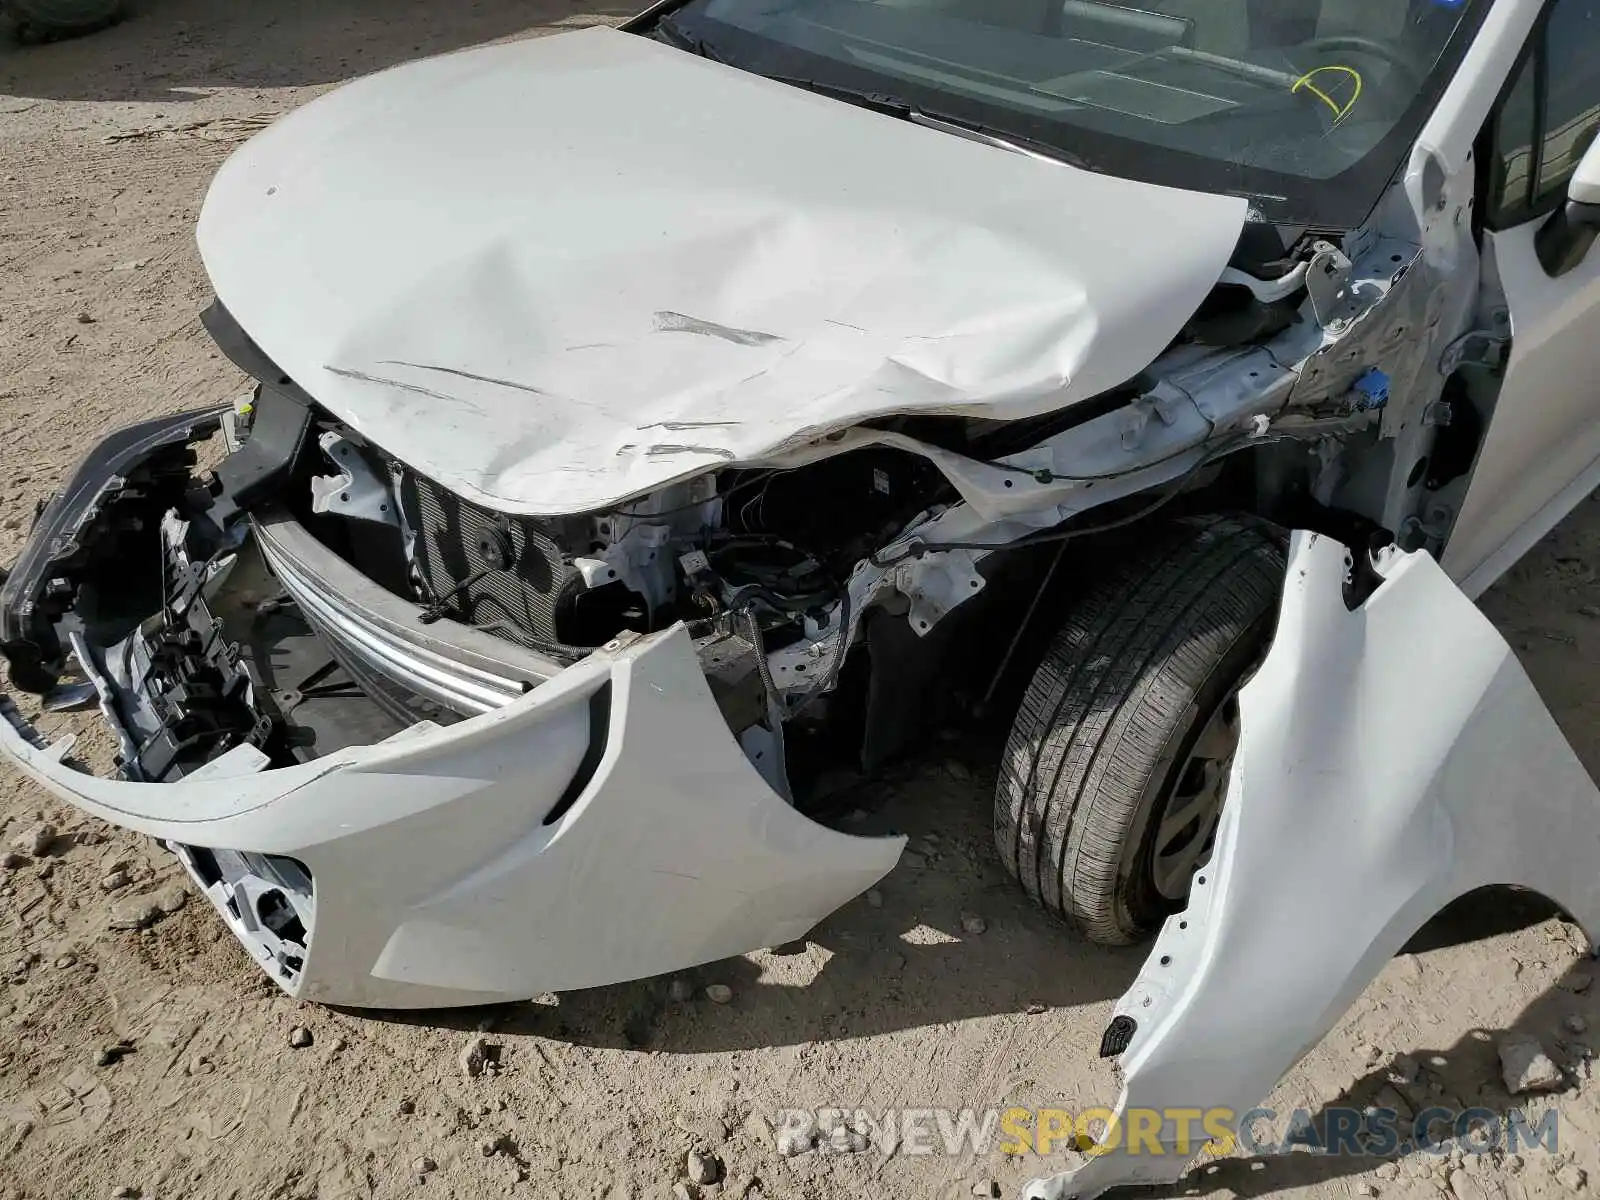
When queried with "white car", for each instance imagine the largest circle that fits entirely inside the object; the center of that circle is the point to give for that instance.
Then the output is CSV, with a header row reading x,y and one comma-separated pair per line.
x,y
653,423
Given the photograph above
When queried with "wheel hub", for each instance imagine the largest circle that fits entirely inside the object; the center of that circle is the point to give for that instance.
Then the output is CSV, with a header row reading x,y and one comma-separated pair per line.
x,y
1191,809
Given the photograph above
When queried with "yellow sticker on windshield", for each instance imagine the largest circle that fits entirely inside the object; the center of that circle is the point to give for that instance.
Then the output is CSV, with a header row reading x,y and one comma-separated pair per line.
x,y
1340,111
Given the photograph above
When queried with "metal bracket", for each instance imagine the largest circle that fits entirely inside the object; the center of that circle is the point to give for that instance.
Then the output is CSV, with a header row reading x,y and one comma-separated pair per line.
x,y
937,583
1328,282
356,491
1431,527
1479,347
1438,415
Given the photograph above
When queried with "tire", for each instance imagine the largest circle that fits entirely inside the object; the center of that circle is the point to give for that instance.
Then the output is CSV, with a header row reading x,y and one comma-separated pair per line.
x,y
63,18
1137,688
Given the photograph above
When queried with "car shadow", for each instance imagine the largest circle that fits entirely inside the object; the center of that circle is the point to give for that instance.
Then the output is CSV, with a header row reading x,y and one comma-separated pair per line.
x,y
1450,1079
178,51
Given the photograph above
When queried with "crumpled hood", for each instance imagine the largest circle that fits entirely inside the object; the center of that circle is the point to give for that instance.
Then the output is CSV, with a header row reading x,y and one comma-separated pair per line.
x,y
561,272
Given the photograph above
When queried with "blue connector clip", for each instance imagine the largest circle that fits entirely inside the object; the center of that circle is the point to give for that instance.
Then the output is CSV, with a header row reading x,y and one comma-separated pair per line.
x,y
1371,390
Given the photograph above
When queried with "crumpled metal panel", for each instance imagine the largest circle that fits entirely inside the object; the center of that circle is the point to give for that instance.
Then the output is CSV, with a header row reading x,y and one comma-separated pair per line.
x,y
1392,759
560,272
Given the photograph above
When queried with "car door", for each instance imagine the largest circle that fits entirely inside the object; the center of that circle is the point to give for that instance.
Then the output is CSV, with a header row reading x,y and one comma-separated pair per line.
x,y
1541,452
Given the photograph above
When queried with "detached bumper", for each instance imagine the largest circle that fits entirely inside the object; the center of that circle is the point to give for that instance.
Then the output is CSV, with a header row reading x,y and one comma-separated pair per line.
x,y
602,826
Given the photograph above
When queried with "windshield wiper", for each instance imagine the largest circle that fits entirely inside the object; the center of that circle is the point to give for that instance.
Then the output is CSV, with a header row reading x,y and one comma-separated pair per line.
x,y
1031,147
883,102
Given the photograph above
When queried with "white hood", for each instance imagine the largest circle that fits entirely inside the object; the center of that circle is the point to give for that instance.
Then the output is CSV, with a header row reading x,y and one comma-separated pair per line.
x,y
557,273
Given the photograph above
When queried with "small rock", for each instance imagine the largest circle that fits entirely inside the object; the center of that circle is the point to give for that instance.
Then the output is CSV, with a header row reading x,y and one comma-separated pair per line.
x,y
1513,1163
200,1065
138,913
67,960
126,1193
1572,1177
85,319
719,993
958,771
1388,1170
300,1037
112,1054
1575,1024
1403,1070
339,1044
680,990
1589,610
841,1139
487,1149
703,1169
1366,1189
37,840
1035,1009
11,860
986,1187
759,1130
474,1057
1526,1067
424,1166
792,1142
137,264
407,1107
972,923
170,899
1575,981
874,898
115,881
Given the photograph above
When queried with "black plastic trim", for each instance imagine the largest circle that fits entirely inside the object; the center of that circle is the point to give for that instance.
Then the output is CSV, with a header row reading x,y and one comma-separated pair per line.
x,y
599,738
27,636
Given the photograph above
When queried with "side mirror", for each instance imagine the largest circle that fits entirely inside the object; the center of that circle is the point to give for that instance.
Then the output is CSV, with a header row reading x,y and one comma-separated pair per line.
x,y
1564,240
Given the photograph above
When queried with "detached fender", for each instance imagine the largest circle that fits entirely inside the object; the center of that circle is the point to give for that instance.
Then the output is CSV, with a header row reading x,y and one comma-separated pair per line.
x,y
1393,757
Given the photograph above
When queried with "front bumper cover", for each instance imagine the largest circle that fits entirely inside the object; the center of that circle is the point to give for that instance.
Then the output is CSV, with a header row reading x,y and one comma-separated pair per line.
x,y
585,827
439,878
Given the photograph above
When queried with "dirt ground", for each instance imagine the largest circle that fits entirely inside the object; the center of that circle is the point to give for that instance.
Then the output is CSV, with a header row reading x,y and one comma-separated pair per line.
x,y
106,148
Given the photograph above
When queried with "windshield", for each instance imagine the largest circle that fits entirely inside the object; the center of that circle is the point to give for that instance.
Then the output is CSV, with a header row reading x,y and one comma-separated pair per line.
x,y
1305,106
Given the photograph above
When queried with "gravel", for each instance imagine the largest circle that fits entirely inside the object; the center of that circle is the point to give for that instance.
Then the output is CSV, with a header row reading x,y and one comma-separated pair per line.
x,y
1526,1067
137,913
702,1168
37,840
474,1057
793,1142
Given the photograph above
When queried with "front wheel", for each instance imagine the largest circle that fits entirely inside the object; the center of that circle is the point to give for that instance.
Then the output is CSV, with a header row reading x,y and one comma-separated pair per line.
x,y
1114,775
